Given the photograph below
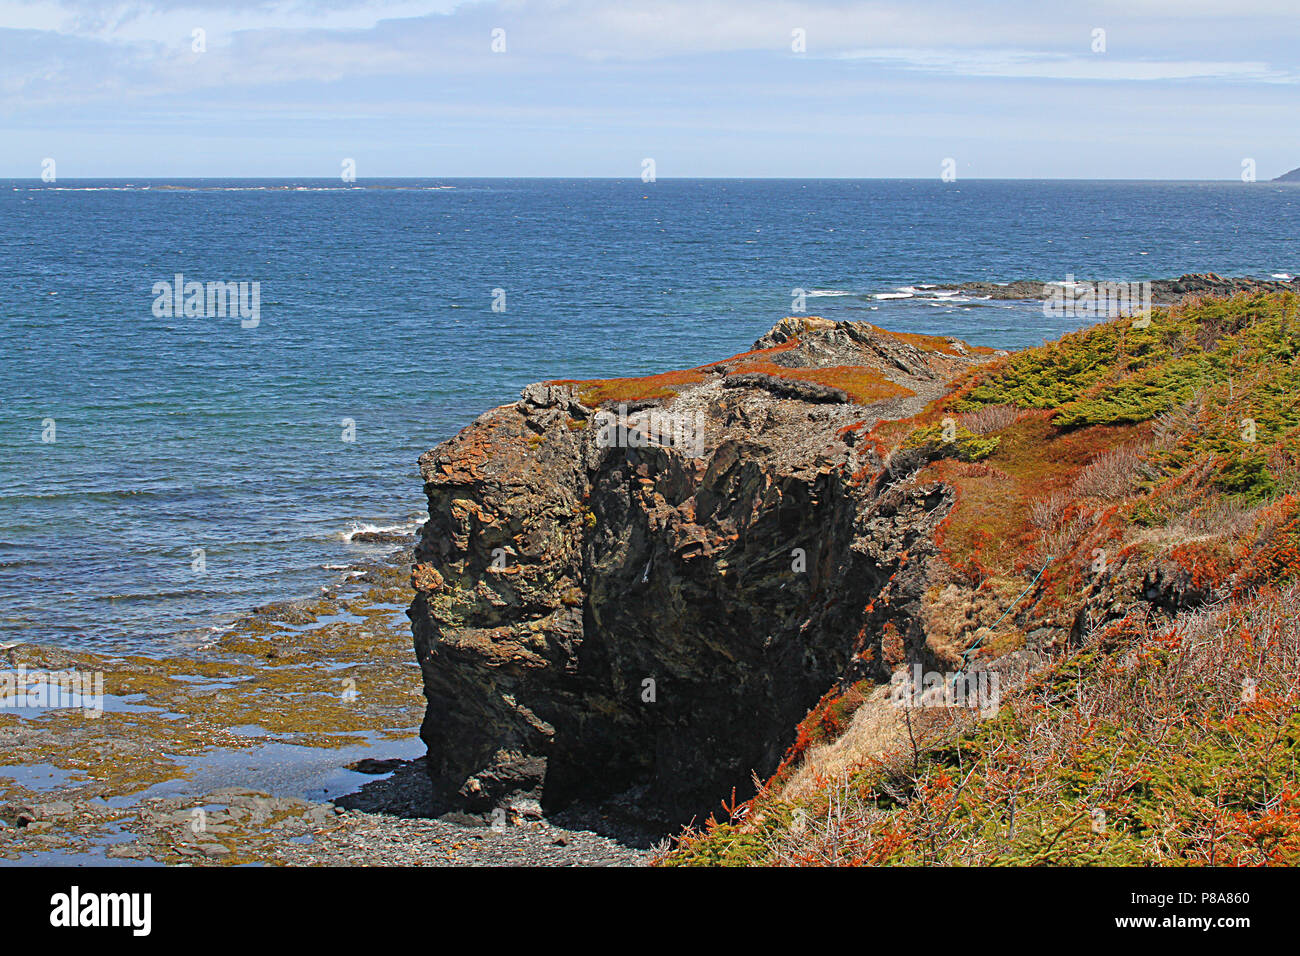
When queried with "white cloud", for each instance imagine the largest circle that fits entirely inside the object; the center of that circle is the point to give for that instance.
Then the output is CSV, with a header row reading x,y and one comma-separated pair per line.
x,y
170,22
1022,64
82,51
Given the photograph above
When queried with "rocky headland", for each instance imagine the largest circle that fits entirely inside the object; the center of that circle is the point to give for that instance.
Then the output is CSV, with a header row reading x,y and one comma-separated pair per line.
x,y
597,616
687,598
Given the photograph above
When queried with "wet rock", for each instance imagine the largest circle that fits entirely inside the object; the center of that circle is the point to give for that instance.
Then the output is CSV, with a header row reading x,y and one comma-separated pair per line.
x,y
373,766
380,537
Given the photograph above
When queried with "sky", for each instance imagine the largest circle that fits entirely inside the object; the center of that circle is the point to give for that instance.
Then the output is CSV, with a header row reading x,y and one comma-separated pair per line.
x,y
1123,89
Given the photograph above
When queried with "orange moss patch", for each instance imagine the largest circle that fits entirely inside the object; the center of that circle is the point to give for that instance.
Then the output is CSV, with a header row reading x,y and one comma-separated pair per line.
x,y
665,385
593,392
863,385
934,343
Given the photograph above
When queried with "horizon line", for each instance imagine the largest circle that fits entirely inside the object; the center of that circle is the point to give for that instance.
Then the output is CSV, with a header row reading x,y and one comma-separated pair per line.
x,y
636,179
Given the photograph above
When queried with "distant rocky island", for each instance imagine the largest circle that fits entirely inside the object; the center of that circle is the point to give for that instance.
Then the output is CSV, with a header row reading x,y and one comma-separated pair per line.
x,y
1163,291
1291,177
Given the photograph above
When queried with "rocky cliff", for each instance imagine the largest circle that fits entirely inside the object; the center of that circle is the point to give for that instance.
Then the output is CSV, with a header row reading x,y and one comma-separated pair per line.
x,y
666,590
639,587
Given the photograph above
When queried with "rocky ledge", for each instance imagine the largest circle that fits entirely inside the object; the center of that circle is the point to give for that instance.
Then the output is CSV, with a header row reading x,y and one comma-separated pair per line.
x,y
638,588
1163,291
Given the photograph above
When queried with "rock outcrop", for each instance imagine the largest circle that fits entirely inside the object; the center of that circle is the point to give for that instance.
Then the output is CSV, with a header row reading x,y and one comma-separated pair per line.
x,y
622,596
1163,291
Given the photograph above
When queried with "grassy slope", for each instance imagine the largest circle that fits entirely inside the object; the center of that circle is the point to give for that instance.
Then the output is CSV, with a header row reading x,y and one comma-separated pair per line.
x,y
1152,459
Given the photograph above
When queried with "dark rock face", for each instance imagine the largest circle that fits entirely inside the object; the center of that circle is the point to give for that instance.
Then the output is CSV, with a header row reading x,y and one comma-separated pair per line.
x,y
646,621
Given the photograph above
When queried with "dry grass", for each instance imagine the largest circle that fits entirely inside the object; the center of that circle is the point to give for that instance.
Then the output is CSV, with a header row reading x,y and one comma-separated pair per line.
x,y
876,732
990,418
1218,516
1113,475
1046,513
1065,538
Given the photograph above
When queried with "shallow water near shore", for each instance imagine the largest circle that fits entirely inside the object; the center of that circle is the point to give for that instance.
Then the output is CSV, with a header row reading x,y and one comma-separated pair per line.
x,y
291,738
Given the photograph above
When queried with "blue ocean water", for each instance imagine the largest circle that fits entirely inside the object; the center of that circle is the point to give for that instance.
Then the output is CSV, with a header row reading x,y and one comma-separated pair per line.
x,y
176,433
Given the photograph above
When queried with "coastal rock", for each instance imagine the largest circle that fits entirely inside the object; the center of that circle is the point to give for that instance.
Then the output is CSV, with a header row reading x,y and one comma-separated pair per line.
x,y
1163,291
653,619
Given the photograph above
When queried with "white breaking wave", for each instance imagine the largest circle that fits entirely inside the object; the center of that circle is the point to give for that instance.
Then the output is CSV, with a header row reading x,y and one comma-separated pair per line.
x,y
357,529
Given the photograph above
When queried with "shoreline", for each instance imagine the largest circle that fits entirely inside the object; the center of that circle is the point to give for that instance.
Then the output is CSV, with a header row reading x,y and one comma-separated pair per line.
x,y
291,737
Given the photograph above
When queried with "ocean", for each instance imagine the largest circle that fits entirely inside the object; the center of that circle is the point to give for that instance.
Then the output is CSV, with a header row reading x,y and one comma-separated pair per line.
x,y
164,472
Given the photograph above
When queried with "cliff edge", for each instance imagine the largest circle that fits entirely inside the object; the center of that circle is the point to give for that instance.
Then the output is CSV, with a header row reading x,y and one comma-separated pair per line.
x,y
711,588
640,586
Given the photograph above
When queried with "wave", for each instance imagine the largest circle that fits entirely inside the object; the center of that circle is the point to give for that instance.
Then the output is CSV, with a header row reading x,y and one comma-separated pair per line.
x,y
368,530
152,595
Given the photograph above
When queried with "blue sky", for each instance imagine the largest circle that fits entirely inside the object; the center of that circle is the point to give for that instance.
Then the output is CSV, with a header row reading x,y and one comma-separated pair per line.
x,y
1184,89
